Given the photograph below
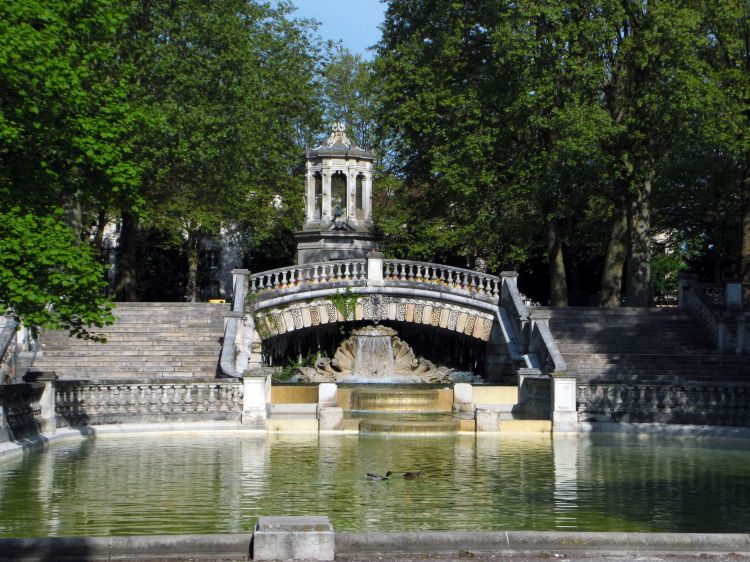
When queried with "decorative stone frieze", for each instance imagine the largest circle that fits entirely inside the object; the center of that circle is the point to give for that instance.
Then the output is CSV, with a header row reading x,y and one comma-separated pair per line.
x,y
457,318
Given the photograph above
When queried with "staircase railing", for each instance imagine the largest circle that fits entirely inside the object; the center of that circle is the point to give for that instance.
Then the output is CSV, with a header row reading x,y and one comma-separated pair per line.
x,y
235,349
17,350
727,329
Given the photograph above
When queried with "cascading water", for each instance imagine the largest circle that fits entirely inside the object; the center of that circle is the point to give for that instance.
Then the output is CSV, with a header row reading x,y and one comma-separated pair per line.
x,y
374,355
402,410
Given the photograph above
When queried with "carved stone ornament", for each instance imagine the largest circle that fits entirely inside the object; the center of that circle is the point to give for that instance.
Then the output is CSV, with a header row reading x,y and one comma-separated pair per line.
x,y
345,366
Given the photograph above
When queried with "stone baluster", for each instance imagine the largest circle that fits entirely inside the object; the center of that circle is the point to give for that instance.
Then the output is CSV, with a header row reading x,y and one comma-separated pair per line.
x,y
166,396
283,278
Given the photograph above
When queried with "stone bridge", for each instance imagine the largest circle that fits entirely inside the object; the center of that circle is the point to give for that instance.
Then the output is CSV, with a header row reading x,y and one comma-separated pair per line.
x,y
486,307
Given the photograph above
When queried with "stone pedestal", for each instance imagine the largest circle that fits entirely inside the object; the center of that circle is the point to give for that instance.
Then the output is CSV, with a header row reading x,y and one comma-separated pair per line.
x,y
327,394
733,296
254,400
564,411
330,419
488,420
375,269
293,538
463,397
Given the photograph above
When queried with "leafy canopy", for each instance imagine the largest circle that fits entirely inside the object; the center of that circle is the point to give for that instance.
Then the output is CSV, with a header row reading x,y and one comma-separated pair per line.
x,y
47,281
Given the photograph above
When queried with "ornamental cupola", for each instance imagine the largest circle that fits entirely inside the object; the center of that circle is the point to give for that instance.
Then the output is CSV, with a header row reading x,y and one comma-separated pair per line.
x,y
338,201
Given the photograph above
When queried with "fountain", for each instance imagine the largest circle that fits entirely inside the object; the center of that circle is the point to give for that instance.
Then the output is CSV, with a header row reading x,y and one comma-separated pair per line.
x,y
375,354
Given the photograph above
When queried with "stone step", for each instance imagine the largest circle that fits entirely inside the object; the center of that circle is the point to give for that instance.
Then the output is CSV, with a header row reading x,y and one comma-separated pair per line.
x,y
193,350
123,346
147,340
566,347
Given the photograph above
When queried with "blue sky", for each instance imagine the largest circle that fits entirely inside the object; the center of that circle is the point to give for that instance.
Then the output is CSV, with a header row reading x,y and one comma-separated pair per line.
x,y
353,22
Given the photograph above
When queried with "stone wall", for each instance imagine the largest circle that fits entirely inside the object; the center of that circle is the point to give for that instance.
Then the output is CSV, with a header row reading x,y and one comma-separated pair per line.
x,y
698,403
535,394
21,410
83,403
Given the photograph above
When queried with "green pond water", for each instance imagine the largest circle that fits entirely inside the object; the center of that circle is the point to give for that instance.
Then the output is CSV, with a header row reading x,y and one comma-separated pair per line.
x,y
220,483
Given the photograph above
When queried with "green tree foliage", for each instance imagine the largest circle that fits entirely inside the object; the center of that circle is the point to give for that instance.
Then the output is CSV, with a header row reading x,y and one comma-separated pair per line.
x,y
347,91
65,121
553,128
65,126
48,281
725,121
227,92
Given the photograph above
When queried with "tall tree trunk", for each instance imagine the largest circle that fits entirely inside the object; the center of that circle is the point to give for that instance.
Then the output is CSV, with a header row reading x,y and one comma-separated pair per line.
x,y
191,248
101,224
617,251
745,252
638,283
558,283
74,215
126,264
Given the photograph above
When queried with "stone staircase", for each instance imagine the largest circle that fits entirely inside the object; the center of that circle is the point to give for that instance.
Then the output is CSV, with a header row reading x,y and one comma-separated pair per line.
x,y
640,345
147,341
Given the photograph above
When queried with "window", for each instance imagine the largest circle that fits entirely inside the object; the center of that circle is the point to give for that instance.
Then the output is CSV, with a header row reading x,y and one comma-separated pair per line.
x,y
211,259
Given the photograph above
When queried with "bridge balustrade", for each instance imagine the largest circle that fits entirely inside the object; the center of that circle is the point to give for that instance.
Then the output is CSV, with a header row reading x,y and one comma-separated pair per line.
x,y
394,273
442,277
341,273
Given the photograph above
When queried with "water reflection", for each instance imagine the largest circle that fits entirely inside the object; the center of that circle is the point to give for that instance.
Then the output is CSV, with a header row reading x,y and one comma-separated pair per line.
x,y
221,483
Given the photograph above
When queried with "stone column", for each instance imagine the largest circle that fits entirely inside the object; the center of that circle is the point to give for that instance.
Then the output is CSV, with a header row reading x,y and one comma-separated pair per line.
x,y
351,193
310,196
367,194
564,411
325,204
254,399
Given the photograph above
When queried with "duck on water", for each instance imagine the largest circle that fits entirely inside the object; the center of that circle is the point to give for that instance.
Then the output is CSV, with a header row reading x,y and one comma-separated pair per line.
x,y
408,475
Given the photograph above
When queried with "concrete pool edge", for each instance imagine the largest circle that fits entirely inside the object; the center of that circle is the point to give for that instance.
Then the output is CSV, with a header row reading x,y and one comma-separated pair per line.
x,y
354,545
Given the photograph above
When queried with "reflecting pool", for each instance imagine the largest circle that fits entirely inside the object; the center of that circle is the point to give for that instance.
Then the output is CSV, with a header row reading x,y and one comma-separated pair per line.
x,y
220,483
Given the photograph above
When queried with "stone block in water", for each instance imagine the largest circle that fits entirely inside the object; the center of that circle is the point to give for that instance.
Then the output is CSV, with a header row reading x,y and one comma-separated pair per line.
x,y
331,419
463,397
293,538
327,393
488,419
